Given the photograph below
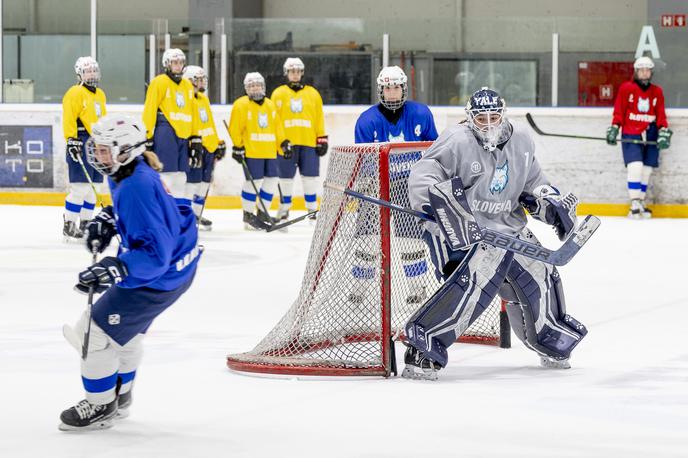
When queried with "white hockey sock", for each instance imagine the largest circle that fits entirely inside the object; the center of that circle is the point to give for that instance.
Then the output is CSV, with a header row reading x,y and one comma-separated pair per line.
x,y
267,191
310,189
635,175
176,184
248,197
129,359
645,180
195,192
75,200
86,213
287,188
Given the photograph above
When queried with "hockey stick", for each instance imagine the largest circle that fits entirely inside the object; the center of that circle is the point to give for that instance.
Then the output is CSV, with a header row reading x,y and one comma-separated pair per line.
x,y
275,227
539,131
90,181
91,290
573,243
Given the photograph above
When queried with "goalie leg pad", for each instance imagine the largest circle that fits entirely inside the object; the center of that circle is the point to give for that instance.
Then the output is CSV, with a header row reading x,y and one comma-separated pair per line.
x,y
458,302
537,310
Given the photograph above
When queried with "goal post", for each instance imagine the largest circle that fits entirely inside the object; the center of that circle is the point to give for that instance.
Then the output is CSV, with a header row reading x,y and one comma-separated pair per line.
x,y
368,271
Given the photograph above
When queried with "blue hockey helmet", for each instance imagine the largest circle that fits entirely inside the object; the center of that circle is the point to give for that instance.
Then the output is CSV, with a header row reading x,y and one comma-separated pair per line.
x,y
485,112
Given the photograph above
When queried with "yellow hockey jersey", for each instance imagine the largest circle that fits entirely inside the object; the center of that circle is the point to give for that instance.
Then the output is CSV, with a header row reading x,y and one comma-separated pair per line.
x,y
301,112
175,101
204,124
258,128
81,104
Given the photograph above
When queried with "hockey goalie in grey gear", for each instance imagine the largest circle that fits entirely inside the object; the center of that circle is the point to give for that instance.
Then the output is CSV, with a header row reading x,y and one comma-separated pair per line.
x,y
494,175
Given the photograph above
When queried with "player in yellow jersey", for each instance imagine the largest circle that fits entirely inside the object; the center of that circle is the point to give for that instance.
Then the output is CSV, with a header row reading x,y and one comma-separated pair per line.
x,y
169,118
301,109
82,105
257,138
198,180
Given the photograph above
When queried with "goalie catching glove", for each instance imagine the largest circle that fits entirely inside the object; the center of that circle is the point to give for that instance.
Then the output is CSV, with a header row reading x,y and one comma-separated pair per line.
x,y
100,230
546,204
101,275
453,215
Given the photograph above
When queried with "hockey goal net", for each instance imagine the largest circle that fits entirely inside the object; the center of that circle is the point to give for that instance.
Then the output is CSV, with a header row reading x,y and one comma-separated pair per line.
x,y
368,271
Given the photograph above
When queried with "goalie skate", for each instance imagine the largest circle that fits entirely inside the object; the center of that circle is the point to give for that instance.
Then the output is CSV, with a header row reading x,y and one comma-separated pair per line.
x,y
552,363
418,367
86,416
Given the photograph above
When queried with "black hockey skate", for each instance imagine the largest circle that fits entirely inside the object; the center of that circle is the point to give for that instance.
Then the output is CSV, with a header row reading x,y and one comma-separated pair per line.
x,y
71,231
82,225
266,219
646,213
86,416
123,404
419,367
252,223
204,224
636,210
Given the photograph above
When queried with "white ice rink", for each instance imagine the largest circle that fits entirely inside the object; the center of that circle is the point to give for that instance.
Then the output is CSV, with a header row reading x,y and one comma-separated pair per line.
x,y
626,396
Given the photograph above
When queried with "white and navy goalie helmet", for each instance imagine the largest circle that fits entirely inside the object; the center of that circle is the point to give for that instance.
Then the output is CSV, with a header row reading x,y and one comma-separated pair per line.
x,y
293,63
254,84
87,71
391,77
172,55
197,76
116,140
485,112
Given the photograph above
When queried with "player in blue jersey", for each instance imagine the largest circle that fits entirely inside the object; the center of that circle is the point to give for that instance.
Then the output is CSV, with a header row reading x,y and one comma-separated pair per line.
x,y
395,119
155,265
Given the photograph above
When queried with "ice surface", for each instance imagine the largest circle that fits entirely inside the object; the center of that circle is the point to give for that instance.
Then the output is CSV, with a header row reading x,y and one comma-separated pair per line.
x,y
627,394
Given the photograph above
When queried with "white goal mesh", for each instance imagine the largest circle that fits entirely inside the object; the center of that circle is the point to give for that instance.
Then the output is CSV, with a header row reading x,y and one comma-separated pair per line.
x,y
368,271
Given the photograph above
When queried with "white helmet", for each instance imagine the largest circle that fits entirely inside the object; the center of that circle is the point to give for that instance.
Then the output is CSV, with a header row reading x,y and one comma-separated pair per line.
x,y
87,70
172,54
254,80
197,76
116,140
392,77
643,62
293,63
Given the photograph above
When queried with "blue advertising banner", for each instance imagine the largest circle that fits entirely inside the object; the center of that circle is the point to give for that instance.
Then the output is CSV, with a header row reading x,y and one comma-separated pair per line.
x,y
26,156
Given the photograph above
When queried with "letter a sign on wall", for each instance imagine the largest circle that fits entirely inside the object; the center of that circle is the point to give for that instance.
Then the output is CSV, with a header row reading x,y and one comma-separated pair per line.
x,y
647,42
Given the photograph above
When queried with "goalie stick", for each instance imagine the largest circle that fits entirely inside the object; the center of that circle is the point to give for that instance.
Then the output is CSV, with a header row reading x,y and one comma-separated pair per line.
x,y
573,243
278,226
539,131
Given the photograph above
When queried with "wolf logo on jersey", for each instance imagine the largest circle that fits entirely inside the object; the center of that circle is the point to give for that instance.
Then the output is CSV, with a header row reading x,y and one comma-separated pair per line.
x,y
203,115
296,105
263,120
180,99
397,138
500,179
643,105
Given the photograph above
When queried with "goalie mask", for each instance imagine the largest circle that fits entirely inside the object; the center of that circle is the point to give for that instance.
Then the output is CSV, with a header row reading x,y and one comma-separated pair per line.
x,y
254,84
197,76
485,112
393,79
87,71
116,140
642,71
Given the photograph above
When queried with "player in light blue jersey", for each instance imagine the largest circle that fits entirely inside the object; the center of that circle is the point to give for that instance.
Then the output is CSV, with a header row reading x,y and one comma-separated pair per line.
x,y
395,119
155,265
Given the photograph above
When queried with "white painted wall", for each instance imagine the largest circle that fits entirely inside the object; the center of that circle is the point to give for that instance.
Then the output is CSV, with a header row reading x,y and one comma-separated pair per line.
x,y
590,169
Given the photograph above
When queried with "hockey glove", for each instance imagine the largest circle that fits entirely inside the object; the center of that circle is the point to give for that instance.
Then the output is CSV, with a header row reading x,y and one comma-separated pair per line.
x,y
546,204
100,230
321,146
238,154
453,214
102,275
612,133
664,138
195,152
74,147
287,149
220,151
